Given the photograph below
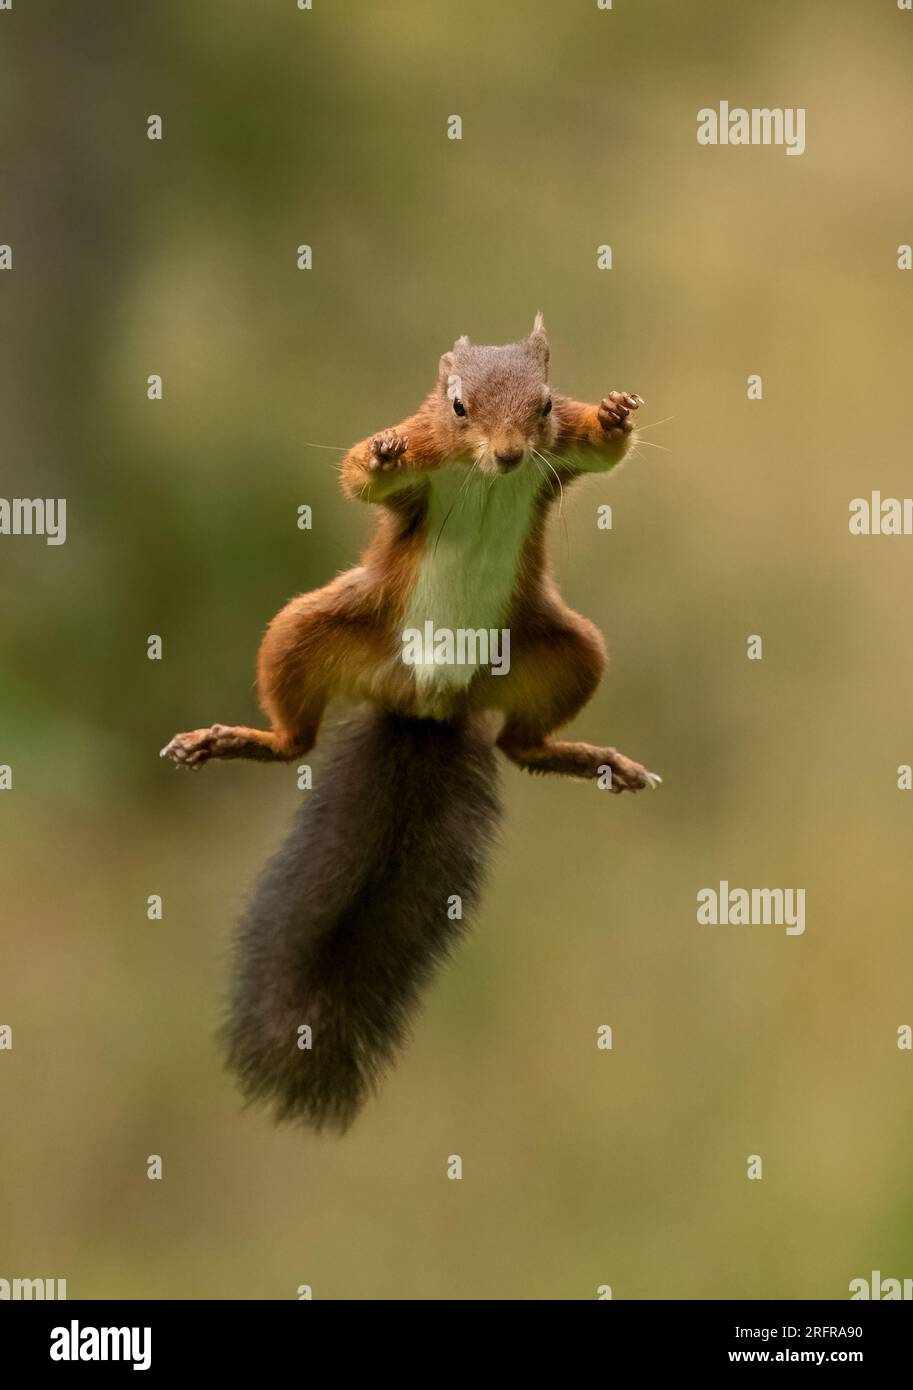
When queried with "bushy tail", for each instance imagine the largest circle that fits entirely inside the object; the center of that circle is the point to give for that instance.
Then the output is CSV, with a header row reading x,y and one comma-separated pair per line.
x,y
355,911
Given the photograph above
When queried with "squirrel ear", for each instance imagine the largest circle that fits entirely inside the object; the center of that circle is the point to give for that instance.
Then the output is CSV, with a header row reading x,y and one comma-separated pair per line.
x,y
462,342
445,374
538,341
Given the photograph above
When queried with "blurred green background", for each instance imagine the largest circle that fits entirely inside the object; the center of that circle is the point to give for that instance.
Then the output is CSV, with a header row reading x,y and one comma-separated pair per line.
x,y
283,127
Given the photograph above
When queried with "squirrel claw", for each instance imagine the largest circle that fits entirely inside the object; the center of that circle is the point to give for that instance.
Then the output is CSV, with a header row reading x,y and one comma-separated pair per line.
x,y
627,775
615,411
387,451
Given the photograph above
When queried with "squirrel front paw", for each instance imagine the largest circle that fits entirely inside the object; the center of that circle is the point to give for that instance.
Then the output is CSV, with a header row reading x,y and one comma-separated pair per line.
x,y
387,451
616,413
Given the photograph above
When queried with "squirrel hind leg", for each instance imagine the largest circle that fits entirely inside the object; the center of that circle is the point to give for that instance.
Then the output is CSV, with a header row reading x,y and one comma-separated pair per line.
x,y
200,746
580,760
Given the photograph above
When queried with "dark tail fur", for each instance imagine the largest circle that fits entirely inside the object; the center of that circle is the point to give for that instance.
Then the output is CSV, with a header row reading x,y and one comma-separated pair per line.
x,y
351,916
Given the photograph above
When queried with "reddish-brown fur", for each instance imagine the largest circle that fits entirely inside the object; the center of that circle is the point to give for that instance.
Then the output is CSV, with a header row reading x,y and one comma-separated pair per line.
x,y
344,639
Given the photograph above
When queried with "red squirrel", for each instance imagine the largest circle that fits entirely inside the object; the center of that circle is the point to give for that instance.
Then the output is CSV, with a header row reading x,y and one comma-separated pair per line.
x,y
389,849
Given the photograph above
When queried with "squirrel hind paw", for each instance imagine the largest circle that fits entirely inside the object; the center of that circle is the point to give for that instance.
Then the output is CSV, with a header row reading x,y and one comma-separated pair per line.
x,y
190,750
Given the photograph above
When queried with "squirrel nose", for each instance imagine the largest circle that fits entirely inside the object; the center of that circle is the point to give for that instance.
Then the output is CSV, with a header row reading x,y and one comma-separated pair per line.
x,y
508,458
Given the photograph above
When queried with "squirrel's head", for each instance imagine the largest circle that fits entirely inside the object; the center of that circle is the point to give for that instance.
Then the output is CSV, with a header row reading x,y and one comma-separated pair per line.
x,y
497,400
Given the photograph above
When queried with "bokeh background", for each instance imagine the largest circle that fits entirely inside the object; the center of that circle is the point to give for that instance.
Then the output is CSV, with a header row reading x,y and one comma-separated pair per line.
x,y
283,127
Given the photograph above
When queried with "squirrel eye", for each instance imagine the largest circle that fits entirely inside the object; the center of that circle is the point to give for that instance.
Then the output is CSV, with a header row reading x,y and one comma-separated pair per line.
x,y
547,408
458,406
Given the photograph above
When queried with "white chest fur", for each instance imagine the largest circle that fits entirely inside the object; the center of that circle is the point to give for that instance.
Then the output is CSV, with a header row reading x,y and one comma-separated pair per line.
x,y
476,527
